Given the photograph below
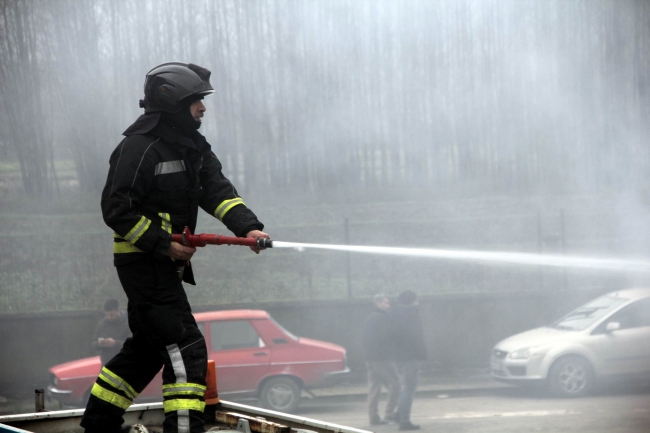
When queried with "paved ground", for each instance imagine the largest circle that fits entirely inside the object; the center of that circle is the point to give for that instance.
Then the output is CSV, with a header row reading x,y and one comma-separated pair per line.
x,y
441,382
622,409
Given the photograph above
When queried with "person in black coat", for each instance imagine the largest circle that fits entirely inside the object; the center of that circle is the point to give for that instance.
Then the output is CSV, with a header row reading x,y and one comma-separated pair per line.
x,y
410,350
378,346
111,332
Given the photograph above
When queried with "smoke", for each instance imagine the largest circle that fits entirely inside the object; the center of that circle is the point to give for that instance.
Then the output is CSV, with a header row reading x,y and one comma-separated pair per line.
x,y
499,129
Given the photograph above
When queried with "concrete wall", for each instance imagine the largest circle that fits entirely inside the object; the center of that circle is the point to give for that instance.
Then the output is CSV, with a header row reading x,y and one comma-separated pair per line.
x,y
460,330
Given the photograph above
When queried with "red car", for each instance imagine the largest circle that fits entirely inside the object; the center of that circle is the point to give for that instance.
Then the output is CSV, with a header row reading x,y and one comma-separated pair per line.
x,y
254,356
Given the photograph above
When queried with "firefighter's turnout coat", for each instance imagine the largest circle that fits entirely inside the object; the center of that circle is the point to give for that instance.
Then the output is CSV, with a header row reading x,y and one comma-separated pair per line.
x,y
157,180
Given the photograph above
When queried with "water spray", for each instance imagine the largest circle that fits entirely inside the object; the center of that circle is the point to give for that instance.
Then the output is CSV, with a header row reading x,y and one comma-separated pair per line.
x,y
561,261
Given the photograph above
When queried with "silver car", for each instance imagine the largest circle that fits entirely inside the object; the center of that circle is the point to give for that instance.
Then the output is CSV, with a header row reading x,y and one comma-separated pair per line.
x,y
607,337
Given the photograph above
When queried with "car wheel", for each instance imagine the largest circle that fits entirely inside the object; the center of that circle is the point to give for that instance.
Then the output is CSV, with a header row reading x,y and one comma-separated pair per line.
x,y
571,376
281,394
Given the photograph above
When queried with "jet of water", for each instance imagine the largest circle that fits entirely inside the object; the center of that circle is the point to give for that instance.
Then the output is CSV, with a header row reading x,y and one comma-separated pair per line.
x,y
631,265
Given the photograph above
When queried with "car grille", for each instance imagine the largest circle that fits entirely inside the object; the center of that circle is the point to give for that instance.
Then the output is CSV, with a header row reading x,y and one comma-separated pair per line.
x,y
499,354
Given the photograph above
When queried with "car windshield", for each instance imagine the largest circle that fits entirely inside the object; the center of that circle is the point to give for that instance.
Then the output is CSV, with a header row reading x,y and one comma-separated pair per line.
x,y
585,316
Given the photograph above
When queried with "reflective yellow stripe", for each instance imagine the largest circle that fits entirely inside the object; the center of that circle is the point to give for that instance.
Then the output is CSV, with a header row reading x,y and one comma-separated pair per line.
x,y
180,404
138,230
183,389
195,386
225,206
166,222
169,393
117,382
111,397
125,247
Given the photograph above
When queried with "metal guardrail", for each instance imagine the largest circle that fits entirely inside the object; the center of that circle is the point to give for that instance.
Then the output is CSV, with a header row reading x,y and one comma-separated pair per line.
x,y
66,421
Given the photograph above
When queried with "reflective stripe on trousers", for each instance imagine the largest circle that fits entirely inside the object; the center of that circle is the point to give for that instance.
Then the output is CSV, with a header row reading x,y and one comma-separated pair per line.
x,y
182,396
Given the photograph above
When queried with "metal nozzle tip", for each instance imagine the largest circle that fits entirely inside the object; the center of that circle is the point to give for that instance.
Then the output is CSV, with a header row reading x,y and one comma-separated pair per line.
x,y
263,243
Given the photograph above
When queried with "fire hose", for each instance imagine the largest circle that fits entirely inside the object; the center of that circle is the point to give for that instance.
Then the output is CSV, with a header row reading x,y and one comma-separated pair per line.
x,y
191,240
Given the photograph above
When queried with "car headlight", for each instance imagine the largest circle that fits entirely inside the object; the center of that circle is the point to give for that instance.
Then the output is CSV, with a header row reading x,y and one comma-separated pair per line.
x,y
524,353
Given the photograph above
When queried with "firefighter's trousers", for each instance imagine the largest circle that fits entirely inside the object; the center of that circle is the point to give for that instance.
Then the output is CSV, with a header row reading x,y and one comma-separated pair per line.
x,y
164,334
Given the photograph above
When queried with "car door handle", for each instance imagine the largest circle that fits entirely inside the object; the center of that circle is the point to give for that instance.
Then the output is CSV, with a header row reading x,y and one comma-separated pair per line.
x,y
260,354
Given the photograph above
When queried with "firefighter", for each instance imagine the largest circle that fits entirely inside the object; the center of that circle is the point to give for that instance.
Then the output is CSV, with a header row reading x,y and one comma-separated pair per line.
x,y
159,175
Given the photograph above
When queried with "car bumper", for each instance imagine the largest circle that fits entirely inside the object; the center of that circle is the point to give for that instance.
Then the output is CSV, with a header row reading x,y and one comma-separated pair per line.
x,y
62,395
532,383
334,377
518,371
338,374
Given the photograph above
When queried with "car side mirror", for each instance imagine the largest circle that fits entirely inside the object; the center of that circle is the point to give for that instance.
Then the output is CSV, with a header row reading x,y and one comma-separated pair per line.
x,y
612,326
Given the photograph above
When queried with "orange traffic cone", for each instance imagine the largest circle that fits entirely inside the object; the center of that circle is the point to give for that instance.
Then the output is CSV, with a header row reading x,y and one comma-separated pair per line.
x,y
211,394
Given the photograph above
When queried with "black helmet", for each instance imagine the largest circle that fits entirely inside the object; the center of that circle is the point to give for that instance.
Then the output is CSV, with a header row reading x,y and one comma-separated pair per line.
x,y
168,84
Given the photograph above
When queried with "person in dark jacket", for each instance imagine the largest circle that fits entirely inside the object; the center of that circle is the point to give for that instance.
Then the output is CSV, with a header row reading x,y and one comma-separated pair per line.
x,y
111,332
159,175
378,347
410,350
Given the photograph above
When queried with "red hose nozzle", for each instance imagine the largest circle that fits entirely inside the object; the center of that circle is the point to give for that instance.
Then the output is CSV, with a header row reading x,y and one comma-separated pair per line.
x,y
188,239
